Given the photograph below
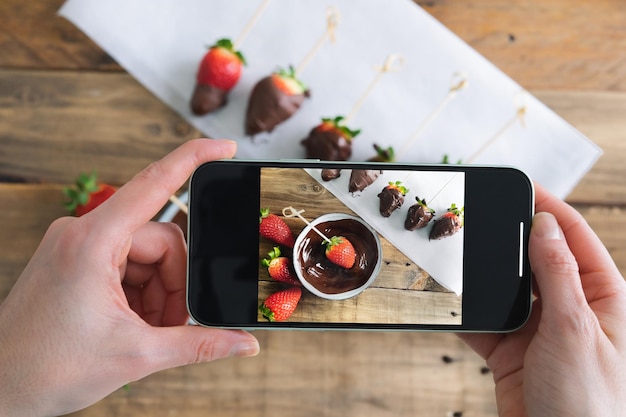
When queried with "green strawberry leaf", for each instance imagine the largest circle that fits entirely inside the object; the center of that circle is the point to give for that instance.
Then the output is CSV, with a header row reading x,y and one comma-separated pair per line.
x,y
290,73
266,312
398,185
263,213
337,122
228,44
422,203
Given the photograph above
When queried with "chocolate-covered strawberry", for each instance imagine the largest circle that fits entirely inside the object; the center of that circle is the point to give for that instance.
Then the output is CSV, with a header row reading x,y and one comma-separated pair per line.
x,y
360,179
330,173
331,140
273,100
448,224
219,72
419,215
391,198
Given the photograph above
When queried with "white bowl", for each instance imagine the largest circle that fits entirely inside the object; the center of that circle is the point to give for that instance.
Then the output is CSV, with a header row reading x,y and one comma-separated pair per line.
x,y
331,217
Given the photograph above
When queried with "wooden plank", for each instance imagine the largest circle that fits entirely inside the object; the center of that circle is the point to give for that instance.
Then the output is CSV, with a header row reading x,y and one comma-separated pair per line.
x,y
55,125
544,44
33,35
374,305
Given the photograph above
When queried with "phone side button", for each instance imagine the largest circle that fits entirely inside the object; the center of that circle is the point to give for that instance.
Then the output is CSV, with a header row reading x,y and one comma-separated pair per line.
x,y
521,250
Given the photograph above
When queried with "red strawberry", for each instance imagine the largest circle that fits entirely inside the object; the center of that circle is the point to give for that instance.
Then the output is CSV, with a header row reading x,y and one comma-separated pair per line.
x,y
340,252
448,224
419,215
86,194
279,267
218,73
221,66
280,305
275,229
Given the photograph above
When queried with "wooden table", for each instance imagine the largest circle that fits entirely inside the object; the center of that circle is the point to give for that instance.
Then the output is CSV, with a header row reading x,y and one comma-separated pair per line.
x,y
67,107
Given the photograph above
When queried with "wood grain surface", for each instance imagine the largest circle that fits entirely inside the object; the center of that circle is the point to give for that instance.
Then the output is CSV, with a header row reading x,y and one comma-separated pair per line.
x,y
66,106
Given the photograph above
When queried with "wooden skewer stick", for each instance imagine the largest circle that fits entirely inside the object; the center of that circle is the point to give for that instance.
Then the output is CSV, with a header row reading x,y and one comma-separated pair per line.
x,y
519,115
292,212
459,83
178,203
250,24
393,62
332,20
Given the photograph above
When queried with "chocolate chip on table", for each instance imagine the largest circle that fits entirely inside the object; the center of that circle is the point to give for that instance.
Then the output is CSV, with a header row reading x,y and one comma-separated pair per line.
x,y
447,359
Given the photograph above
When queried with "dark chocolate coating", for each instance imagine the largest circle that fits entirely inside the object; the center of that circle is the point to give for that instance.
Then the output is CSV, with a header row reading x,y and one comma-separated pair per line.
x,y
268,106
444,227
330,173
325,275
417,217
361,178
207,98
326,145
391,199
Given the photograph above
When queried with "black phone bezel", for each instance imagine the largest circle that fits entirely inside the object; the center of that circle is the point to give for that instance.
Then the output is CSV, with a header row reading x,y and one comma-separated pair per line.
x,y
223,225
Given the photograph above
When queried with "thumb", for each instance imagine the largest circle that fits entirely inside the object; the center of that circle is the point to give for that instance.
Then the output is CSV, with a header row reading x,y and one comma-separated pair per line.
x,y
555,268
169,347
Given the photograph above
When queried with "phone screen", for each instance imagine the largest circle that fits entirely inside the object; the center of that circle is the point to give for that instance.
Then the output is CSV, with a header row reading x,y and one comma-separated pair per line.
x,y
424,250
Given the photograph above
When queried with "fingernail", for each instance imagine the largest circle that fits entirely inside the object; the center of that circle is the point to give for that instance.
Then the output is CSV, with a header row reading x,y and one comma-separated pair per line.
x,y
242,349
546,227
227,141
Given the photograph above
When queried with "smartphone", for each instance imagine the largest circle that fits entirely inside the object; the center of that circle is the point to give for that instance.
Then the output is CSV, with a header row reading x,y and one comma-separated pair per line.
x,y
431,247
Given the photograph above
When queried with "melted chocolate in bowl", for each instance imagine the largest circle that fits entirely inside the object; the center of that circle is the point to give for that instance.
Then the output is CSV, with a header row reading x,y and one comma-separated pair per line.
x,y
325,276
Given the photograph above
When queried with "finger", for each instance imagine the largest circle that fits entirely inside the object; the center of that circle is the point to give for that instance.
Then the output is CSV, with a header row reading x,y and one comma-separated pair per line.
x,y
168,347
155,274
140,199
160,245
555,267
